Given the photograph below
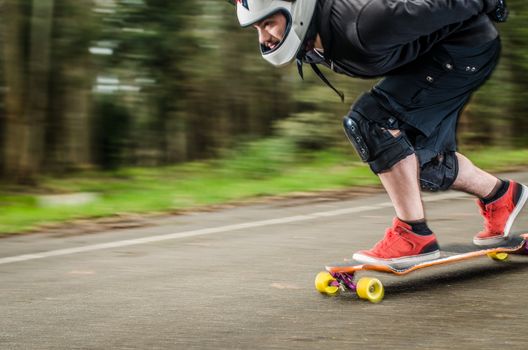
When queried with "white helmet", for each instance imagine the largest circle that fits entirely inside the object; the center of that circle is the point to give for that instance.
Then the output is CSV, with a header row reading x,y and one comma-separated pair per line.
x,y
298,14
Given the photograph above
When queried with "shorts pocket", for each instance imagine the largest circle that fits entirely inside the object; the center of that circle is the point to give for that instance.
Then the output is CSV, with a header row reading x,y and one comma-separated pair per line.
x,y
412,84
432,74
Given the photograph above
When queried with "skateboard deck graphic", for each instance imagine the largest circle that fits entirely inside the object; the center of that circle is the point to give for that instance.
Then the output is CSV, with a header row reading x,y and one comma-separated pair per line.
x,y
340,277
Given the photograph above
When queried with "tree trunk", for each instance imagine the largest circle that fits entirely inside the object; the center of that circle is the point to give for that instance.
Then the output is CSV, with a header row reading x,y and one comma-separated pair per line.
x,y
13,59
32,150
26,99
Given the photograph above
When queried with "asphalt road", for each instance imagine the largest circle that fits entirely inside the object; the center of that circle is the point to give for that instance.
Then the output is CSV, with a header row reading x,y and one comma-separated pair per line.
x,y
242,278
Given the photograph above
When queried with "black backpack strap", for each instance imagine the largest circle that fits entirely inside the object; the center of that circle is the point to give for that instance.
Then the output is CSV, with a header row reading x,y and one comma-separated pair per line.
x,y
325,80
320,75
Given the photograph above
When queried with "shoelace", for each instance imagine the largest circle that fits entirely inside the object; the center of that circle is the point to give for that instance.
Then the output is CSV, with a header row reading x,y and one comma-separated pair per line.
x,y
488,212
391,235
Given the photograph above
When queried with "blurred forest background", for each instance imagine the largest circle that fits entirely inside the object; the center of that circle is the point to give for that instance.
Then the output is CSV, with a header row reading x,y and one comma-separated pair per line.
x,y
102,84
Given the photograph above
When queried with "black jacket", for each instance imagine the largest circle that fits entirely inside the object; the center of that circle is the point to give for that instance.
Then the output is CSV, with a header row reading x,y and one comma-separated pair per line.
x,y
369,38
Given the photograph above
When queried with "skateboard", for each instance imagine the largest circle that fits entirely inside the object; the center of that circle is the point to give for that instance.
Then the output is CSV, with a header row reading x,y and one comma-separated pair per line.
x,y
340,277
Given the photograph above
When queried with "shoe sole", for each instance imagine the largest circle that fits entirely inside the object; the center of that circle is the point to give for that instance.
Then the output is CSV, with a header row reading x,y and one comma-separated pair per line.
x,y
509,223
405,261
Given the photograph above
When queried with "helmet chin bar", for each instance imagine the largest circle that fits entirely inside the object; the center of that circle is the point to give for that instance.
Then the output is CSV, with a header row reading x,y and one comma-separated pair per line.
x,y
265,50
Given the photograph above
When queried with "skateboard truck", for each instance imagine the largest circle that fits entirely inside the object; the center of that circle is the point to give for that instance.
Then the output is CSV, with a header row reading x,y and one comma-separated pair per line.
x,y
367,288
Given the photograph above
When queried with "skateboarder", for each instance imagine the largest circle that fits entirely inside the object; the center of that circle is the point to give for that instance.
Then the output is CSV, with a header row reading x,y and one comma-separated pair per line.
x,y
433,55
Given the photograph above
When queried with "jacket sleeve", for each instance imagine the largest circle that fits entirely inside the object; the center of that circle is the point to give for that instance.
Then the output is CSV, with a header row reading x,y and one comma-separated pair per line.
x,y
383,24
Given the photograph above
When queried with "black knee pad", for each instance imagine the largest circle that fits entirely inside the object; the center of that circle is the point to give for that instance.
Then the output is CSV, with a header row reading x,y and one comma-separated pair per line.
x,y
370,137
440,173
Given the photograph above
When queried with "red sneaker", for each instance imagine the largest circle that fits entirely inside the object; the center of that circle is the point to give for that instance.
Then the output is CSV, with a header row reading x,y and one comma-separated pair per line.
x,y
500,215
400,246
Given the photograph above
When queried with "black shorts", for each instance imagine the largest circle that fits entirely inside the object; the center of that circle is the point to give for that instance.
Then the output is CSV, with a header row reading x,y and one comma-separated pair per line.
x,y
428,95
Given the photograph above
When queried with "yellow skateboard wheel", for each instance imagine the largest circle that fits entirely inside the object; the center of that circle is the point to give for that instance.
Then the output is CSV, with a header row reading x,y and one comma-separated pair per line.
x,y
498,256
370,289
323,281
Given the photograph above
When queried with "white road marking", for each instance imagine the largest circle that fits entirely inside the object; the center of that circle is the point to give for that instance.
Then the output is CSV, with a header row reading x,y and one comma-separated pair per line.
x,y
213,230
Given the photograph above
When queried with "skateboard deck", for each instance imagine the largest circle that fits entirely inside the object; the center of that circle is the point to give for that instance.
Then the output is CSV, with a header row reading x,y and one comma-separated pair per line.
x,y
340,276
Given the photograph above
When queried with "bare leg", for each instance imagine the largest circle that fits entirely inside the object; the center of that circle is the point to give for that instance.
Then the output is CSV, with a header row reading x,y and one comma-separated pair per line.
x,y
418,243
474,180
401,183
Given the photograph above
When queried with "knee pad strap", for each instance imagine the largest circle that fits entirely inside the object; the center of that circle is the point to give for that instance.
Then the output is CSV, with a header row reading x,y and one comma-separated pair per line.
x,y
440,173
369,135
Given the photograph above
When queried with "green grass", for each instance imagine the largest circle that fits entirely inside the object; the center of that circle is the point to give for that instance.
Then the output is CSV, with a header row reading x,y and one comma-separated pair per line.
x,y
265,168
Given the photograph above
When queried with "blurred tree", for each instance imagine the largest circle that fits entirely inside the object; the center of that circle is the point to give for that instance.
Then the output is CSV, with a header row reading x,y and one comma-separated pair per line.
x,y
2,91
68,137
148,41
245,93
516,49
109,83
111,146
13,72
497,113
37,89
27,68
